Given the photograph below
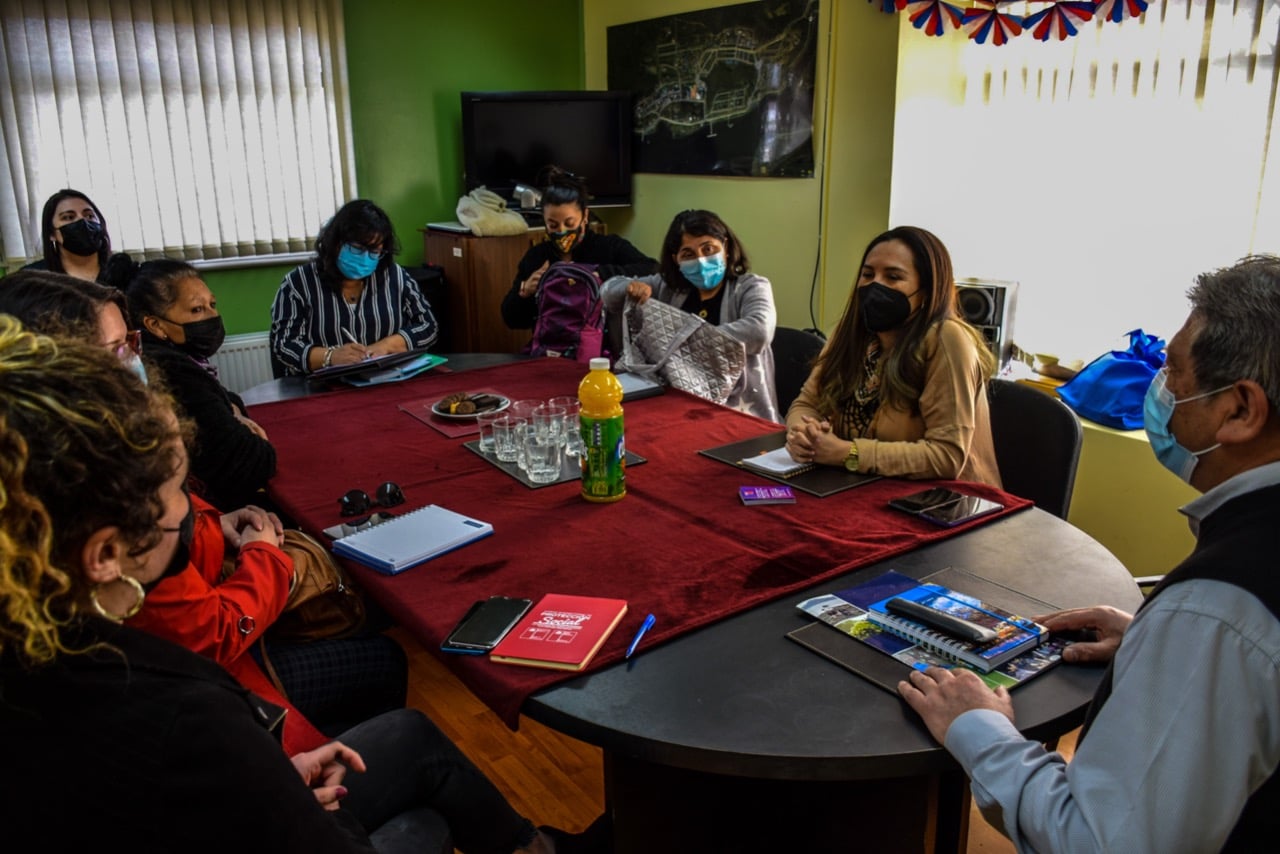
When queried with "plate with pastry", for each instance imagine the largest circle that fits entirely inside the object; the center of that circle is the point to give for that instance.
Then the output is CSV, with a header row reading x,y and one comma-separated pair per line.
x,y
461,406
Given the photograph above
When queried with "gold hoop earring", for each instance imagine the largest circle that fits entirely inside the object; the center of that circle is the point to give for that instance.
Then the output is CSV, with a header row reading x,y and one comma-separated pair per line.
x,y
119,618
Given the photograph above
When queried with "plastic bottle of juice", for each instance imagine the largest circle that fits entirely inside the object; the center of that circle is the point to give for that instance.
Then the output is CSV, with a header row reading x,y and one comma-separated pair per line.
x,y
604,458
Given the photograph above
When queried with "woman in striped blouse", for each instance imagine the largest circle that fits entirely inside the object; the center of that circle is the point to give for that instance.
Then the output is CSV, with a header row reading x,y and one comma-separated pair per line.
x,y
350,302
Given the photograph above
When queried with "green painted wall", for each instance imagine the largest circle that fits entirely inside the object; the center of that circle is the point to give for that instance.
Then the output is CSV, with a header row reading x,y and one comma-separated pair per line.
x,y
795,230
406,62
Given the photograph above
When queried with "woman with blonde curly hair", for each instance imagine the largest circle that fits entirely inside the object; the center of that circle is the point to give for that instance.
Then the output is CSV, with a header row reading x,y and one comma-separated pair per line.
x,y
901,387
105,726
166,747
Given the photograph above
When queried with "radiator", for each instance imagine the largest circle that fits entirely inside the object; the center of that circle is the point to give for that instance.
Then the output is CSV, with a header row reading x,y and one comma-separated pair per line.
x,y
244,361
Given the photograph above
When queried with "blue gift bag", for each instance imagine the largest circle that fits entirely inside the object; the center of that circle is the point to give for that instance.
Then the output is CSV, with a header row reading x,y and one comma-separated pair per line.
x,y
1111,388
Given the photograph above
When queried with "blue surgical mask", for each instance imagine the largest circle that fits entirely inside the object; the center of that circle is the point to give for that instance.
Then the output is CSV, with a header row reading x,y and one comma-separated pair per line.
x,y
1157,409
134,364
357,263
705,273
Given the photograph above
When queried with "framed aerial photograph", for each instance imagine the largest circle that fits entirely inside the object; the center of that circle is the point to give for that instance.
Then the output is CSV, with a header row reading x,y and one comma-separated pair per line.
x,y
725,91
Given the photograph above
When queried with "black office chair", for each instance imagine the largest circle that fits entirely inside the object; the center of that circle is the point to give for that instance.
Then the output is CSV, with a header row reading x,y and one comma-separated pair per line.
x,y
1037,439
793,353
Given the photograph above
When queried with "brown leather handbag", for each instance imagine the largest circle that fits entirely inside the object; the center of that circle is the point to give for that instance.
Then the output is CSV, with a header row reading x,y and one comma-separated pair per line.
x,y
322,603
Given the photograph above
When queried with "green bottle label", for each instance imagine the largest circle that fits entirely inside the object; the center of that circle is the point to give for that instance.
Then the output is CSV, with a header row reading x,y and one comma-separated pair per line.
x,y
604,461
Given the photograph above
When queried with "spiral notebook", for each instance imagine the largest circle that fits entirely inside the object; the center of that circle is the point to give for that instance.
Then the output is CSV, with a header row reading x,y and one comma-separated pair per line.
x,y
411,539
776,463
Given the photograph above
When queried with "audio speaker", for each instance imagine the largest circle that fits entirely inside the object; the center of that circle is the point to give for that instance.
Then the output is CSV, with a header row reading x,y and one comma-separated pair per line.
x,y
988,306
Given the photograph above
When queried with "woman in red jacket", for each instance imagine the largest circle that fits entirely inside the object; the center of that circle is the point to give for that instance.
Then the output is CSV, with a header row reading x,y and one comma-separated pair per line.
x,y
105,457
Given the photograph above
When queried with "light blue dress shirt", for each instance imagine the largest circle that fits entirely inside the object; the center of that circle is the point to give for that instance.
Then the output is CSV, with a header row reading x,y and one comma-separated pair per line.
x,y
1191,729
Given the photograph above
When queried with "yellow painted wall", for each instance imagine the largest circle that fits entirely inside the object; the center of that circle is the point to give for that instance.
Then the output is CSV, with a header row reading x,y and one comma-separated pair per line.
x,y
1127,501
781,220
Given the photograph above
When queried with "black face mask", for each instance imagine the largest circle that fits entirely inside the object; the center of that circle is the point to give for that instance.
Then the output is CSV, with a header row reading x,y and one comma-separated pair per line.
x,y
202,337
882,307
83,237
182,554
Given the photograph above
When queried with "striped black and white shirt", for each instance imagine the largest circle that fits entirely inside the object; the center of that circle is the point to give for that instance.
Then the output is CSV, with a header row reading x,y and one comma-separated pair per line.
x,y
306,314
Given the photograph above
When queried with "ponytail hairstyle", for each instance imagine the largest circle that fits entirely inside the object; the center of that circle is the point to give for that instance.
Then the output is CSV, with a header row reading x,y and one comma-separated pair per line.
x,y
562,187
93,445
154,288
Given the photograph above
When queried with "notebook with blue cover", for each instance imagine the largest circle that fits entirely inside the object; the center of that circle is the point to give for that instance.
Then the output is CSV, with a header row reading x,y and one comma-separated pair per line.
x,y
411,539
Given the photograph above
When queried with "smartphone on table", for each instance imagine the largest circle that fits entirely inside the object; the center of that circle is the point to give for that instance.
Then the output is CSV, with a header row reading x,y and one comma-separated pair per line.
x,y
485,623
945,507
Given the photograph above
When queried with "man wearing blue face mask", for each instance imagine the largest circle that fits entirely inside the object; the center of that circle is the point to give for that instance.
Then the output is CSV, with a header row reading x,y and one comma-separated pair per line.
x,y
1181,744
705,271
352,301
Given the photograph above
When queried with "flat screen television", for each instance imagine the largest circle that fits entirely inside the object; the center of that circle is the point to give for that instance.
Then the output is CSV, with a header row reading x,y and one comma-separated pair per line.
x,y
509,138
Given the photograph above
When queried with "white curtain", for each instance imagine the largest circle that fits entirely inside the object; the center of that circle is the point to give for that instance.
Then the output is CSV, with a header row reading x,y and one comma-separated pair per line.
x,y
1101,172
202,130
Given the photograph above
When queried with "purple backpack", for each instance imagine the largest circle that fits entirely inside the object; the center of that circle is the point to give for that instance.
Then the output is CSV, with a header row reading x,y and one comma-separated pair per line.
x,y
570,313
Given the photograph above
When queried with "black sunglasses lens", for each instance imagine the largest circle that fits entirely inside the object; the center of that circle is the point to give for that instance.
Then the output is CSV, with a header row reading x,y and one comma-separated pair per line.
x,y
354,502
389,495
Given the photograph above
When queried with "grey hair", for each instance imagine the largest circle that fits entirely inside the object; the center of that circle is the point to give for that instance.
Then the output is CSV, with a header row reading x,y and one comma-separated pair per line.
x,y
1239,337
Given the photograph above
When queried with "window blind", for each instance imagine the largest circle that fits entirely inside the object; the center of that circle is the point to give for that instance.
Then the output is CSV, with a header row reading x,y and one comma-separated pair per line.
x,y
202,130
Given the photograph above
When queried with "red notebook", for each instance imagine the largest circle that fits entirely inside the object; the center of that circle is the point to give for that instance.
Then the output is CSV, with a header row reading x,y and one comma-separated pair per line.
x,y
561,632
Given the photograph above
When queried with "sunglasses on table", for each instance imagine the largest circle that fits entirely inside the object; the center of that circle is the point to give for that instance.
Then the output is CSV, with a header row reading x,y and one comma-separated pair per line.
x,y
357,501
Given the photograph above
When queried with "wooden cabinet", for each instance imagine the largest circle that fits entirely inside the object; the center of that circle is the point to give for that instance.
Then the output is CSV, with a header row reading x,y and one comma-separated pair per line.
x,y
479,272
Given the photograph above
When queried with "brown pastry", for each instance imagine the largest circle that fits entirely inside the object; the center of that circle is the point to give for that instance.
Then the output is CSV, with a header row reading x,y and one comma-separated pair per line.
x,y
465,407
456,397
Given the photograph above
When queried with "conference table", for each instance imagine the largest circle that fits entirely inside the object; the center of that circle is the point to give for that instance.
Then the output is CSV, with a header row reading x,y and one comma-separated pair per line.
x,y
721,733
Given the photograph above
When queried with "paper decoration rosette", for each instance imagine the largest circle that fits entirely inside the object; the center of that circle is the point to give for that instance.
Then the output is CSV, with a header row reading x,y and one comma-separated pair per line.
x,y
995,21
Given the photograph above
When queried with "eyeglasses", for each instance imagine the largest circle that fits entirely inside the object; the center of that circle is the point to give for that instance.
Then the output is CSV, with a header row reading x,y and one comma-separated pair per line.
x,y
357,501
132,345
375,254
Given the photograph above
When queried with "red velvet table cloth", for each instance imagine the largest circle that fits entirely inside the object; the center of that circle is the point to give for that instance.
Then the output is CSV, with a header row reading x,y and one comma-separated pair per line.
x,y
680,545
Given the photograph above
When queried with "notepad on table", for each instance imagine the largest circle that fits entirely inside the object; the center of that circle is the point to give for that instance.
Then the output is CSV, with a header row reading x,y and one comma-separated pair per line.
x,y
411,539
777,463
561,632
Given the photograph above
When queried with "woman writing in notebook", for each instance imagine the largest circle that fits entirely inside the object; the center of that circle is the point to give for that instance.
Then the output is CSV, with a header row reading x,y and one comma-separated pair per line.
x,y
352,301
104,455
901,387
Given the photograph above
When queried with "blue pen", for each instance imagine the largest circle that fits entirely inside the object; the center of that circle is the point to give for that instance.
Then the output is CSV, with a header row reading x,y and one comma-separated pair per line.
x,y
644,627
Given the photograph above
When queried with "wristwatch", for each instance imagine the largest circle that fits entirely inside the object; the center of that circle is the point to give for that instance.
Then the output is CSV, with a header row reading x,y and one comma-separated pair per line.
x,y
328,357
851,461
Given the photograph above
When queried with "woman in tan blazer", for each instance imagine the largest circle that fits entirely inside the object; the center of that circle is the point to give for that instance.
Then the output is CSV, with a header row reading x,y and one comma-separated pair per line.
x,y
901,387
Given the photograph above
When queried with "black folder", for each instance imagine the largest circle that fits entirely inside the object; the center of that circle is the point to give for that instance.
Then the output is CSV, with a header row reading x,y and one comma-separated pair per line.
x,y
819,480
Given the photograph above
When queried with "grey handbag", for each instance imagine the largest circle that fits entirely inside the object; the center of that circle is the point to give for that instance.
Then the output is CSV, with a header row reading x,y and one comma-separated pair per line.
x,y
683,350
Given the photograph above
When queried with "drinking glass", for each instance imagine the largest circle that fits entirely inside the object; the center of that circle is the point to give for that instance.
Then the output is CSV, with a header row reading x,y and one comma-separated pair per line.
x,y
505,438
571,432
485,422
542,452
524,408
549,420
521,430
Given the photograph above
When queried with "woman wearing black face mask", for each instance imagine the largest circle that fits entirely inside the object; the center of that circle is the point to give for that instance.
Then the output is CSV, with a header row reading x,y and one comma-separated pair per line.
x,y
901,387
569,238
76,242
178,315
